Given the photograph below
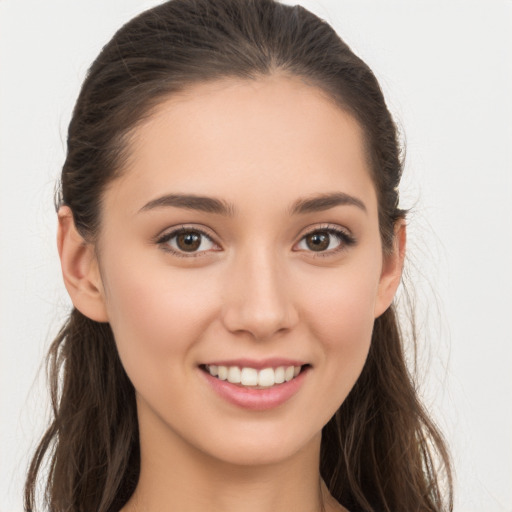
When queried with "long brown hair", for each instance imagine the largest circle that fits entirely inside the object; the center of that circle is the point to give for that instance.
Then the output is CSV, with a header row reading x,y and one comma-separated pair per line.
x,y
380,451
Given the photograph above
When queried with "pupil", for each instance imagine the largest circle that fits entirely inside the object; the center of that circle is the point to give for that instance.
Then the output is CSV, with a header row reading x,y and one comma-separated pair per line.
x,y
318,241
189,241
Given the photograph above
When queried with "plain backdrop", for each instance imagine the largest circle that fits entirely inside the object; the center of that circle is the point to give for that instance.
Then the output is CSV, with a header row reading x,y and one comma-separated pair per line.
x,y
446,70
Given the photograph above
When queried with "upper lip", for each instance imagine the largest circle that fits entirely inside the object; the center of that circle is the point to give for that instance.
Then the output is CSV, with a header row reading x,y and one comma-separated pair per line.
x,y
257,364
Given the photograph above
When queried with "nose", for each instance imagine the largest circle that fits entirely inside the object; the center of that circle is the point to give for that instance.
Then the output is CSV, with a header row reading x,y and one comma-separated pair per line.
x,y
257,296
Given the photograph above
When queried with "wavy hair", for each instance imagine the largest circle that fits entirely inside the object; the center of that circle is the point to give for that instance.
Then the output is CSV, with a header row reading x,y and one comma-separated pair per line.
x,y
380,452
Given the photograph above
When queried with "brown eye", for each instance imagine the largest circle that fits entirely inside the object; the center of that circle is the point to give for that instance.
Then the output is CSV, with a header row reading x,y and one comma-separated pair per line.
x,y
318,241
328,241
188,242
191,241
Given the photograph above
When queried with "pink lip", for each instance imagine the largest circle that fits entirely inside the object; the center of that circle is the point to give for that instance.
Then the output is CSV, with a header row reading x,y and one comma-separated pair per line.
x,y
273,362
256,399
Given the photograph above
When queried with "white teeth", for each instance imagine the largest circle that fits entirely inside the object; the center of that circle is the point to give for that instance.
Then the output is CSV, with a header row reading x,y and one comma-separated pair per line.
x,y
234,375
249,377
279,375
222,372
266,377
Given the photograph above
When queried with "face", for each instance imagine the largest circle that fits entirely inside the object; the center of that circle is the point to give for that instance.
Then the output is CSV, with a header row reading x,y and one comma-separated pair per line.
x,y
242,242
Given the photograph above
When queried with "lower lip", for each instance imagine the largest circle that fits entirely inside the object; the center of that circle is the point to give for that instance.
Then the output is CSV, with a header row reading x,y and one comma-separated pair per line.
x,y
256,399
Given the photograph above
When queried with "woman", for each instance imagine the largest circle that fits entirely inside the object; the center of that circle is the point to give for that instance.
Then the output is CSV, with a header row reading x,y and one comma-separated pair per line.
x,y
230,237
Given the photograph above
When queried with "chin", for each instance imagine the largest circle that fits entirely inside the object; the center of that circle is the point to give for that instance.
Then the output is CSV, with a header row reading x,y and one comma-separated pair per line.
x,y
267,449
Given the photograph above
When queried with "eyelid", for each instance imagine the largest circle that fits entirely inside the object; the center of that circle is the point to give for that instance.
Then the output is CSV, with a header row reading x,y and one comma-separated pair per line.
x,y
168,234
345,236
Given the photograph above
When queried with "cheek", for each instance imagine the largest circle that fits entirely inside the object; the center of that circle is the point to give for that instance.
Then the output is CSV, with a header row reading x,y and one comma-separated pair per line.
x,y
342,307
344,325
156,316
341,317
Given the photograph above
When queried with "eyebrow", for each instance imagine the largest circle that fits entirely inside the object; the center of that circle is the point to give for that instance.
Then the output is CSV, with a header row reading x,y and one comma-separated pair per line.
x,y
325,202
191,202
207,204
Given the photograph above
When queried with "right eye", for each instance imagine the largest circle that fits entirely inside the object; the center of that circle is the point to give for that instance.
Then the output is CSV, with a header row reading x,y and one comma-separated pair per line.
x,y
187,242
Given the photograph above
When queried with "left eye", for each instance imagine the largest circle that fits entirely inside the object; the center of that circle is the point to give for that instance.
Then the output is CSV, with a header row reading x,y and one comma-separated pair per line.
x,y
322,240
188,241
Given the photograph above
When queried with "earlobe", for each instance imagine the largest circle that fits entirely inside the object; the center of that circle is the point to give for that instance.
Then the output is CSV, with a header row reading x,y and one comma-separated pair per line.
x,y
80,269
392,267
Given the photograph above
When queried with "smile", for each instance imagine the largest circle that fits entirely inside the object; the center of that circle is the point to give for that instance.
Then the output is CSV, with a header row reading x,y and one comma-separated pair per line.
x,y
253,378
256,386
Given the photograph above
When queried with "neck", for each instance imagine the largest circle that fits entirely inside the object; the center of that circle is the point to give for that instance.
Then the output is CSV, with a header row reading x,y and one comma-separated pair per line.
x,y
177,476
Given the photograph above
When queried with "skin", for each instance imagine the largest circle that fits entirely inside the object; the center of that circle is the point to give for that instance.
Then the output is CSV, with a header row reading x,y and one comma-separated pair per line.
x,y
255,289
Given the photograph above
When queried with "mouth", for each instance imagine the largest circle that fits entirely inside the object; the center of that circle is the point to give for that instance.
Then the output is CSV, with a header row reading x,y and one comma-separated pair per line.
x,y
253,378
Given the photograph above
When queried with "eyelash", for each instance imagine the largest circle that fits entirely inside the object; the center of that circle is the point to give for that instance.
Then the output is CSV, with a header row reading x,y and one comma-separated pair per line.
x,y
345,240
164,240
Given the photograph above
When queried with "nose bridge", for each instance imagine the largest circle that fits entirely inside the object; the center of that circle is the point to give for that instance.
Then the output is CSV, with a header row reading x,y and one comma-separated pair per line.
x,y
257,300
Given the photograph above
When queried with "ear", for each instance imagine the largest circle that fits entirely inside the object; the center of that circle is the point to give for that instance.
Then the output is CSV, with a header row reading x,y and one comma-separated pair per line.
x,y
392,267
80,269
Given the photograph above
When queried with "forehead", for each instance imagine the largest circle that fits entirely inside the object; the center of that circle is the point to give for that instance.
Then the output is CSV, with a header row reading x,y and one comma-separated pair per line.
x,y
271,137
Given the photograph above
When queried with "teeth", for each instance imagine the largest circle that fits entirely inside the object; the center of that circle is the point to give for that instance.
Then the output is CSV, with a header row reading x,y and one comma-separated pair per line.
x,y
266,377
222,372
234,374
279,375
249,377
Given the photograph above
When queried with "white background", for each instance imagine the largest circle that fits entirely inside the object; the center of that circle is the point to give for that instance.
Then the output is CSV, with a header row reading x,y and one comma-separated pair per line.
x,y
445,67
